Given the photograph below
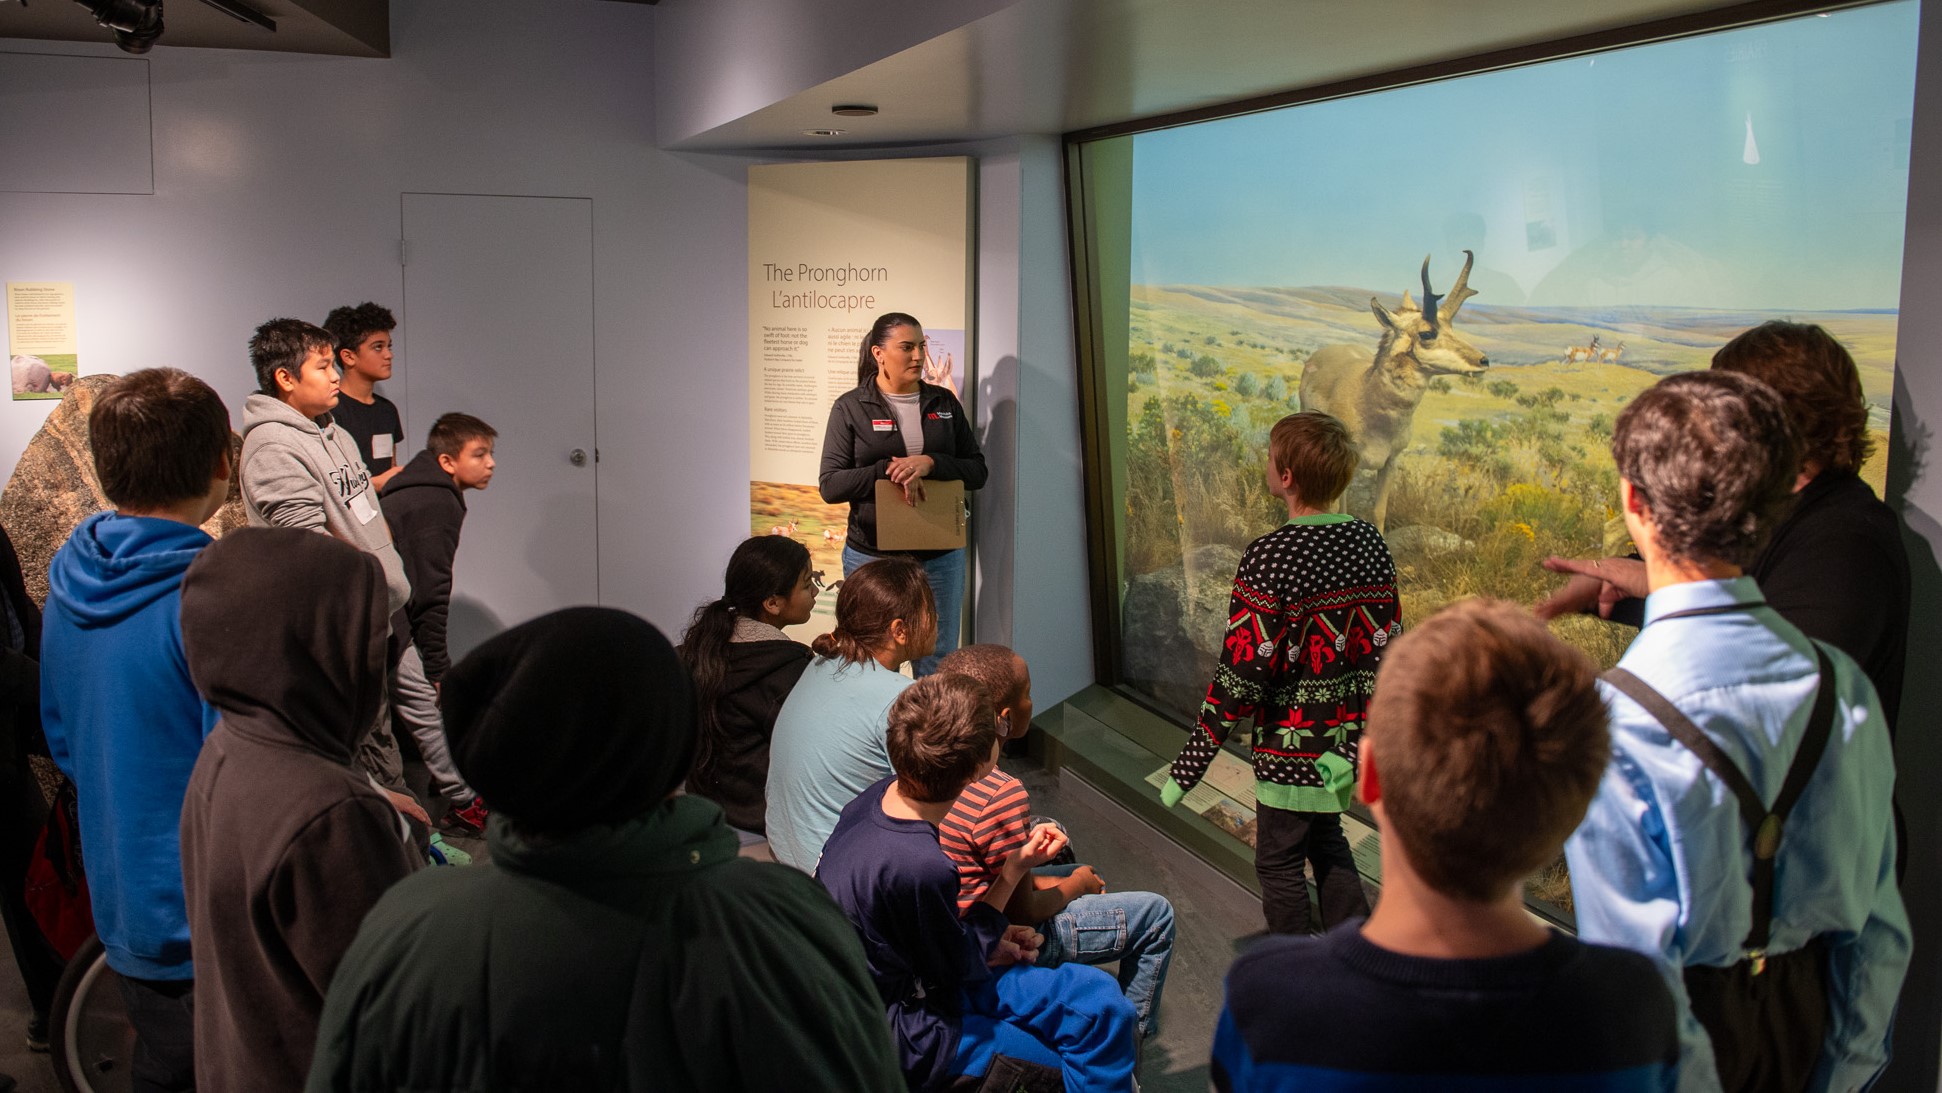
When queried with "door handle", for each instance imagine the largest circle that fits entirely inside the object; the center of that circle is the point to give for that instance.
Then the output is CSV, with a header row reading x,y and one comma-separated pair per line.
x,y
577,457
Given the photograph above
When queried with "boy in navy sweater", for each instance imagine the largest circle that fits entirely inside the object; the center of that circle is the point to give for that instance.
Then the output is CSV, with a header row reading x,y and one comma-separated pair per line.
x,y
123,719
961,992
1485,744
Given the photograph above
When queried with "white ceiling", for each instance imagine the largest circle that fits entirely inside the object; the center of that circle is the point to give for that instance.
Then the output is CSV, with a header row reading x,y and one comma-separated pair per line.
x,y
1054,66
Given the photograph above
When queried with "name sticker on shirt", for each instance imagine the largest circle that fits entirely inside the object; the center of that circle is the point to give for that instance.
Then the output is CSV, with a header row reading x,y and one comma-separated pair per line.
x,y
362,508
881,425
381,446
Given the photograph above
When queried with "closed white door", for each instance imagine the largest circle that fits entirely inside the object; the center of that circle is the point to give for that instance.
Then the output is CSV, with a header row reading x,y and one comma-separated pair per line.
x,y
498,323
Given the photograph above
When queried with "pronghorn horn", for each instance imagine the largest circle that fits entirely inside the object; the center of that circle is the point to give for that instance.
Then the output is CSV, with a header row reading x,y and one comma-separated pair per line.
x,y
1430,299
1460,291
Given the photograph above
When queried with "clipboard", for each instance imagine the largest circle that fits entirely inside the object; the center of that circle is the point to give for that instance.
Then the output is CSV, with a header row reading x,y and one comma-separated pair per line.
x,y
935,523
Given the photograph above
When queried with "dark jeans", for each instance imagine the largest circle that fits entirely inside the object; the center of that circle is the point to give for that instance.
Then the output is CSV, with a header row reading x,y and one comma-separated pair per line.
x,y
162,1012
1283,841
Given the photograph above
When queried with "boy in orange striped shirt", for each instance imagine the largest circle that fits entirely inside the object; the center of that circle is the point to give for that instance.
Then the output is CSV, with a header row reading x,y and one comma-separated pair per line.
x,y
1081,921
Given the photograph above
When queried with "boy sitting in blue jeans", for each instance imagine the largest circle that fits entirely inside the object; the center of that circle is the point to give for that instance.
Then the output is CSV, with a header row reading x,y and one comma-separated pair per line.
x,y
1081,921
962,991
1485,744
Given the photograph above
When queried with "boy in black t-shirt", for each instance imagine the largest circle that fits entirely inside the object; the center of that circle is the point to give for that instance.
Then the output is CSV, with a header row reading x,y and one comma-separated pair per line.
x,y
1485,743
363,336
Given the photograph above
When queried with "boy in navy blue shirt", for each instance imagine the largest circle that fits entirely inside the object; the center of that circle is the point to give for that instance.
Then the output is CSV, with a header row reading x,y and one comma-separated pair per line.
x,y
961,992
1484,745
123,719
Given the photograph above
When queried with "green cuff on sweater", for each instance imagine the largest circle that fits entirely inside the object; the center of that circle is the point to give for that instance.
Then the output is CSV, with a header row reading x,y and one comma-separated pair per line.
x,y
1171,793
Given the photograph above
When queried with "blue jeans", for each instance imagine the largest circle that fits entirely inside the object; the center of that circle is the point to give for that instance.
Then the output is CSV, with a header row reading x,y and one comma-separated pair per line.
x,y
1134,929
1070,1018
946,576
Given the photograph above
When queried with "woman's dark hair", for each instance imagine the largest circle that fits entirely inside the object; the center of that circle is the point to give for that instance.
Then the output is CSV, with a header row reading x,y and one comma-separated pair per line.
x,y
866,365
1818,381
763,566
872,598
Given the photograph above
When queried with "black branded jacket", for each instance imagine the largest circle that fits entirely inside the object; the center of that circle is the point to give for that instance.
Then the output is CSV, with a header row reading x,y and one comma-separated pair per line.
x,y
863,437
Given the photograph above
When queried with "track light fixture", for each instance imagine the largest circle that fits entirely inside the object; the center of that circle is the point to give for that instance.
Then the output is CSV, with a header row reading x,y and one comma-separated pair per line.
x,y
136,23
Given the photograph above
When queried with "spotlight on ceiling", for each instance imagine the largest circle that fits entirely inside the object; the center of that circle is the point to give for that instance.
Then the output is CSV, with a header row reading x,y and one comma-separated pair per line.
x,y
824,132
854,110
136,23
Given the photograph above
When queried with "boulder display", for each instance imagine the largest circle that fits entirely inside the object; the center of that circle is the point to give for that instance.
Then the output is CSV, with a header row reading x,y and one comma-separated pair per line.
x,y
54,488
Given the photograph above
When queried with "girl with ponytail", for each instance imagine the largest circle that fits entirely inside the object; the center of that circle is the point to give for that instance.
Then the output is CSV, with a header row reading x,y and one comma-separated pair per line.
x,y
743,667
829,743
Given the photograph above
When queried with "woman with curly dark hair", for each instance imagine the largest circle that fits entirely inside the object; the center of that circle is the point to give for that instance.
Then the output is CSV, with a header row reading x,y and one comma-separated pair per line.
x,y
1834,565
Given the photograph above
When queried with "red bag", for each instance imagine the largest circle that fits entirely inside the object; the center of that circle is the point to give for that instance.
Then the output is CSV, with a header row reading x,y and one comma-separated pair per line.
x,y
57,888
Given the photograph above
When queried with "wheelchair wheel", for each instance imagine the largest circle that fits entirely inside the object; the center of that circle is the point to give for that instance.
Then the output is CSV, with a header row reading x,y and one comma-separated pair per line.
x,y
90,1041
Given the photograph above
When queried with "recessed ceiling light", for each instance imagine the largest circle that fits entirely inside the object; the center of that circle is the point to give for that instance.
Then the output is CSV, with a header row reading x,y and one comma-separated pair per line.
x,y
854,110
824,132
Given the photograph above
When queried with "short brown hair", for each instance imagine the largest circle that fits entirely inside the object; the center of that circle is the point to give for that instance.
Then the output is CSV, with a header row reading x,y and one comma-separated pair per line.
x,y
282,345
157,435
1318,451
942,729
992,666
1489,739
1714,457
872,598
1818,383
452,432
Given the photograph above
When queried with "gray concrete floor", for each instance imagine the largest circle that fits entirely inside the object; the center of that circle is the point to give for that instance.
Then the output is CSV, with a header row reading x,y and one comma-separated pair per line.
x,y
1214,916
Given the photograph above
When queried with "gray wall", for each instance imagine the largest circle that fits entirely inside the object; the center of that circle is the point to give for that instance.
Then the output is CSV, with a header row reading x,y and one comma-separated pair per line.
x,y
1915,487
276,192
1031,516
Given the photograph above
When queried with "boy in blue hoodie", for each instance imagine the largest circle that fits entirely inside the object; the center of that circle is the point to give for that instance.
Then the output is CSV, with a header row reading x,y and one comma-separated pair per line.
x,y
122,718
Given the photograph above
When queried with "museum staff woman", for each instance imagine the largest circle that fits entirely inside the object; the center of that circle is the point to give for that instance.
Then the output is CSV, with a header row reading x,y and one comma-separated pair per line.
x,y
894,425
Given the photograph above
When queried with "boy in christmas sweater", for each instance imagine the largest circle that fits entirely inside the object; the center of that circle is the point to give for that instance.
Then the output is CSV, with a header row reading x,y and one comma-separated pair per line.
x,y
1314,606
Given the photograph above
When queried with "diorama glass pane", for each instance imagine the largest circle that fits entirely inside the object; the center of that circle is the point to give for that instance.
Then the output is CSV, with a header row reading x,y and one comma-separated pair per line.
x,y
1576,230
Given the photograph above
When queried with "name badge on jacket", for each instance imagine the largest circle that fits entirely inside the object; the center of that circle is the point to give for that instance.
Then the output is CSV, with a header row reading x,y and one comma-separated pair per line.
x,y
881,425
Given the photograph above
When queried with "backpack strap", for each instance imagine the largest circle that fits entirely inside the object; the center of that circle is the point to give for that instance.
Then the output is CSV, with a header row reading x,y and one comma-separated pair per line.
x,y
1766,823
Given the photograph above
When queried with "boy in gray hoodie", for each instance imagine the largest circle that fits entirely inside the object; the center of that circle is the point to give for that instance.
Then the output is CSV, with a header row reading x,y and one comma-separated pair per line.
x,y
301,471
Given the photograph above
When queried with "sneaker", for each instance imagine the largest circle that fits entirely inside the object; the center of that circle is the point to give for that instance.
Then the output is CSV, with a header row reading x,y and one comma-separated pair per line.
x,y
37,1033
467,822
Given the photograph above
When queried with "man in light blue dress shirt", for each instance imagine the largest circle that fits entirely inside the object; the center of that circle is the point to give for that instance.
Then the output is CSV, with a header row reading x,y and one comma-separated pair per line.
x,y
1663,861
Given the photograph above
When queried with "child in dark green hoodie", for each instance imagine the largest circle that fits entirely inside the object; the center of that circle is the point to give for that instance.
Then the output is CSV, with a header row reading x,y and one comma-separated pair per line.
x,y
122,717
424,504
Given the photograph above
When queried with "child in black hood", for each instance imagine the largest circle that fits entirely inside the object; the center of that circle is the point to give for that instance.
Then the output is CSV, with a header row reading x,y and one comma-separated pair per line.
x,y
285,843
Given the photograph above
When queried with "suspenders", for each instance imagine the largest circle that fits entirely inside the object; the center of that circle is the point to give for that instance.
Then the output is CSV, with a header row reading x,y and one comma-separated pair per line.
x,y
1765,823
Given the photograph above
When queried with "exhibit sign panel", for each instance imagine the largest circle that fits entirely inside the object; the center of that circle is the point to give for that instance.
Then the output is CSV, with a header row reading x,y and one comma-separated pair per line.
x,y
831,247
41,338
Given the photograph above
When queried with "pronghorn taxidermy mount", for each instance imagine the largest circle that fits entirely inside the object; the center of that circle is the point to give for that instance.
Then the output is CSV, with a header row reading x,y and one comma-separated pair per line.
x,y
1376,396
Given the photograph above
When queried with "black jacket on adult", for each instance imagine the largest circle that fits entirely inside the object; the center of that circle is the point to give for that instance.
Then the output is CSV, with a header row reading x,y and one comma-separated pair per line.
x,y
863,437
425,509
1836,568
735,772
